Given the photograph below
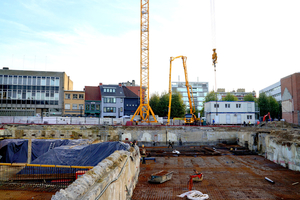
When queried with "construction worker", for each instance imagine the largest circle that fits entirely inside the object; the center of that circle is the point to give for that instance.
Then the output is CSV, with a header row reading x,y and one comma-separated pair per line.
x,y
196,172
143,155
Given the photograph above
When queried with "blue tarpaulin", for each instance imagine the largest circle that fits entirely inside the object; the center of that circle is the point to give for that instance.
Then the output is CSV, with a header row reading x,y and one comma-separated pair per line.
x,y
58,152
81,155
14,151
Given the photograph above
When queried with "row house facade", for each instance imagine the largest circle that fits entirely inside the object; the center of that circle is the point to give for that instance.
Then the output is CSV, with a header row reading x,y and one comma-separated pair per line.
x,y
74,103
92,101
112,98
131,100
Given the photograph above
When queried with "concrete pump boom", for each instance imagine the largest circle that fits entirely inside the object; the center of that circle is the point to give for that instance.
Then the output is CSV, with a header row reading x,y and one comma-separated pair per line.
x,y
188,88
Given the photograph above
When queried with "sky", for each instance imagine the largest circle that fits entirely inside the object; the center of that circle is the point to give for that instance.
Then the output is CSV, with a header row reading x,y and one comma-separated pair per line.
x,y
98,41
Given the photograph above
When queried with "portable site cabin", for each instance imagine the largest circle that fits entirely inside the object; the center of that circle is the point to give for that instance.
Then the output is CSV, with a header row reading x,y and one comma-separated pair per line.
x,y
230,112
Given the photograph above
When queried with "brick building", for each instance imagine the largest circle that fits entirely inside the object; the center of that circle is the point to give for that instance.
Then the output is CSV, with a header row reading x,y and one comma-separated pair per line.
x,y
290,90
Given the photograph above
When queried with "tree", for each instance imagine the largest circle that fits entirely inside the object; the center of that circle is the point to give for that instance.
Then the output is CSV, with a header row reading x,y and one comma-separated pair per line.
x,y
263,104
159,105
230,97
249,97
154,102
280,111
163,105
177,105
211,96
274,107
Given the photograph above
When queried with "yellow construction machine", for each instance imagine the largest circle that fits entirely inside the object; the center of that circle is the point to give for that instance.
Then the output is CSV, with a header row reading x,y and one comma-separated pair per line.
x,y
189,118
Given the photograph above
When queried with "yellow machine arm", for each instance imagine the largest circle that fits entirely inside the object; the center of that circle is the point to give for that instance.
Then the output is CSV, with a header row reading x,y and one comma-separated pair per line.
x,y
186,84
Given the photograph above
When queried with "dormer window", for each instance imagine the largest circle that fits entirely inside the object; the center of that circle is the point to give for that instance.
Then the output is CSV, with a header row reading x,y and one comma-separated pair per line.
x,y
109,90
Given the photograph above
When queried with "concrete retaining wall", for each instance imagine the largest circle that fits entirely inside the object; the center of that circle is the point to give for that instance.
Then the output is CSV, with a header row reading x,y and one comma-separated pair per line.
x,y
113,178
283,152
190,135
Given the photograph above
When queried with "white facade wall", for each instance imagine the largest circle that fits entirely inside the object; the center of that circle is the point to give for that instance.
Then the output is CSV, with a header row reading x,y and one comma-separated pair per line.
x,y
273,90
230,112
200,90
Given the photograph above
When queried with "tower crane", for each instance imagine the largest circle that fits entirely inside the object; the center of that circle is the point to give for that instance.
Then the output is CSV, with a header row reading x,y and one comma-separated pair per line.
x,y
189,118
144,110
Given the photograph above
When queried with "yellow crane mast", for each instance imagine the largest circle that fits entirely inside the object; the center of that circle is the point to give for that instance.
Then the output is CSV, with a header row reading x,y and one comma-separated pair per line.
x,y
144,110
189,118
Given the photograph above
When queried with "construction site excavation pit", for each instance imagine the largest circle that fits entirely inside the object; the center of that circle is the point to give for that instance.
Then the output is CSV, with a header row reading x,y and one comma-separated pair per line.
x,y
236,162
229,172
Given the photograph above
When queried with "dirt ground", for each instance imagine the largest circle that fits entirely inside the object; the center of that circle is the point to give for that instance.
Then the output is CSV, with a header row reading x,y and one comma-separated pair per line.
x,y
24,195
225,177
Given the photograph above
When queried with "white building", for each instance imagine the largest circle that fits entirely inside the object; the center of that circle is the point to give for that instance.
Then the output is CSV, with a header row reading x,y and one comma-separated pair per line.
x,y
230,112
273,90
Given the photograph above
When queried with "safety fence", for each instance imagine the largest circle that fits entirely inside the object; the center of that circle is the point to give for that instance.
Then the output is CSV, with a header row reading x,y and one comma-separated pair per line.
x,y
34,177
66,120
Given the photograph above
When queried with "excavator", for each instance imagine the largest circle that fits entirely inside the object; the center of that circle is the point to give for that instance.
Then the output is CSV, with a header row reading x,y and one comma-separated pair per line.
x,y
189,118
267,115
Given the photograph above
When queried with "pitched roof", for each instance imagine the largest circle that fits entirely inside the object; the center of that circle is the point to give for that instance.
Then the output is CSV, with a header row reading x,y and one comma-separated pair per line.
x,y
134,89
129,93
118,90
92,93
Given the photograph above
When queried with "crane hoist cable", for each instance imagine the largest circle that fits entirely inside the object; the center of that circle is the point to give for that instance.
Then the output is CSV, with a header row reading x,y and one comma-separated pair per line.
x,y
214,46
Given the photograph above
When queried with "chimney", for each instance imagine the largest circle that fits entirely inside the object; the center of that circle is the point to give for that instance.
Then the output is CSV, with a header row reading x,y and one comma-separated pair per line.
x,y
100,83
133,82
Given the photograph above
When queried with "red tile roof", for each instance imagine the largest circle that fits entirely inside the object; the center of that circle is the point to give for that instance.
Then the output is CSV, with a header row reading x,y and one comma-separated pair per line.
x,y
134,89
92,93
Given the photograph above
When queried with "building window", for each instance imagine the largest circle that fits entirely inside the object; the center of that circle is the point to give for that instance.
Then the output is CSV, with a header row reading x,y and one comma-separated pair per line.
x,y
24,80
110,90
227,105
48,81
121,109
249,116
109,109
75,96
67,96
80,106
238,105
67,106
56,95
52,82
74,106
87,107
43,82
15,81
92,106
81,96
56,81
216,105
38,80
29,80
109,100
97,106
